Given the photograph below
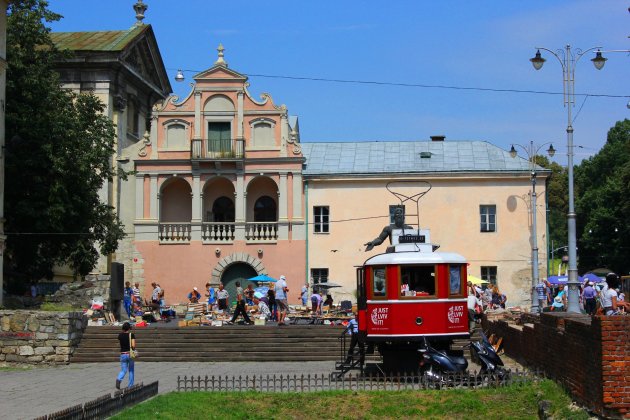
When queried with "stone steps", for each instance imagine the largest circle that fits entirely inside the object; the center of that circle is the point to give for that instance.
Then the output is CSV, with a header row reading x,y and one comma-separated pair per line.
x,y
213,344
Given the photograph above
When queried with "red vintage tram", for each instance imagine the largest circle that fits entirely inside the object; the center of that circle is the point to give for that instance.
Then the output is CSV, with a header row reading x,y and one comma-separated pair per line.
x,y
410,293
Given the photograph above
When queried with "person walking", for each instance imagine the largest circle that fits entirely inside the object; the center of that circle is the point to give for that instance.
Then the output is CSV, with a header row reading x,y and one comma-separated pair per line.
x,y
127,342
353,330
241,308
281,290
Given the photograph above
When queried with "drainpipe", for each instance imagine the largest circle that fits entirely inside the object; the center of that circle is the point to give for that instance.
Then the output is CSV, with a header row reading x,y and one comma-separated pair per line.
x,y
306,228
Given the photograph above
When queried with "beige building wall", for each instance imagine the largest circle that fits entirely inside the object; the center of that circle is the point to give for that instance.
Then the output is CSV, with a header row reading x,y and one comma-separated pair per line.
x,y
359,209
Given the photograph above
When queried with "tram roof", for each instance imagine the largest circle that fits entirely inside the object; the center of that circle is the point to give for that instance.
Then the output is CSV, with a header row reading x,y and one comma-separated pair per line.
x,y
416,258
372,157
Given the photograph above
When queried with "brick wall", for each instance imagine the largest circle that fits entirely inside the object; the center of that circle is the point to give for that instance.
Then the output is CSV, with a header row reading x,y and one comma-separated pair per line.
x,y
589,356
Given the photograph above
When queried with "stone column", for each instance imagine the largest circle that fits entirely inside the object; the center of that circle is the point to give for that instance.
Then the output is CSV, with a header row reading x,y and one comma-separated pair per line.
x,y
297,196
283,195
197,115
154,203
240,197
139,196
284,134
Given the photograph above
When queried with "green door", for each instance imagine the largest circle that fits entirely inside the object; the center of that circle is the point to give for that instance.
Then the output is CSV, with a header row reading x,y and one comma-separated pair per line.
x,y
237,272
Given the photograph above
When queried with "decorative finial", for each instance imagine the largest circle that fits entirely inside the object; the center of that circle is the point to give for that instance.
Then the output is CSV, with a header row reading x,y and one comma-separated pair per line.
x,y
220,61
140,8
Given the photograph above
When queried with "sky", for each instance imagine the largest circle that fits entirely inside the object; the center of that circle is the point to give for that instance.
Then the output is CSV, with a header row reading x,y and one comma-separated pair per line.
x,y
408,47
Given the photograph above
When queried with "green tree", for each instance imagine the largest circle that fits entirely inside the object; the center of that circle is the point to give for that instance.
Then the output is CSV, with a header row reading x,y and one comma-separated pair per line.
x,y
58,152
603,204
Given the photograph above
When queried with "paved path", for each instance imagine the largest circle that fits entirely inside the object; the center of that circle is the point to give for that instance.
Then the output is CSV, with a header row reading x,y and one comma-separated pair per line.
x,y
30,393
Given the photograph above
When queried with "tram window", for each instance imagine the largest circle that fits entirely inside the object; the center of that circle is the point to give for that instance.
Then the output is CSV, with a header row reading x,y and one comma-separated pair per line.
x,y
379,285
417,281
455,272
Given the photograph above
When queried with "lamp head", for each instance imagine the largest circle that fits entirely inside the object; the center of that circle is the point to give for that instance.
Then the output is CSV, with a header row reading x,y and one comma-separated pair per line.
x,y
513,152
599,60
179,77
537,61
551,151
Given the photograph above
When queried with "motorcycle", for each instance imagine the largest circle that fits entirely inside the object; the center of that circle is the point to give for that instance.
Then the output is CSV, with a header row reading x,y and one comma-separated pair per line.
x,y
485,354
442,367
439,366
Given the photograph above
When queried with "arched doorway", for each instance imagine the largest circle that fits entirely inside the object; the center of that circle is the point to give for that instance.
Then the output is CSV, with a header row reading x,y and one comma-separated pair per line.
x,y
237,272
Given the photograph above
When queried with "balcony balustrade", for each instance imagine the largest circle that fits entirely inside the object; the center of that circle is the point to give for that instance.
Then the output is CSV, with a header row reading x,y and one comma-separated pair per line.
x,y
226,232
218,232
261,231
174,232
230,149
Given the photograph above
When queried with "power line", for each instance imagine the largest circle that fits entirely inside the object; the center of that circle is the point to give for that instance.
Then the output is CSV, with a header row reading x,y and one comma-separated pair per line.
x,y
420,85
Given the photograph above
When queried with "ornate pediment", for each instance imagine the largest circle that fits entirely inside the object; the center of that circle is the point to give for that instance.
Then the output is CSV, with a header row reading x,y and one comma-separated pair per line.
x,y
220,72
143,58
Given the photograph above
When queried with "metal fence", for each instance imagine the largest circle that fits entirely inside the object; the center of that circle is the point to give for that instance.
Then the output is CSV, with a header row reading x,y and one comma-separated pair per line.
x,y
312,383
107,405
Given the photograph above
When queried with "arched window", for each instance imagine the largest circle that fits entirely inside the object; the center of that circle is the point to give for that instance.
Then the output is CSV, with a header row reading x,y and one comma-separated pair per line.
x,y
222,210
265,210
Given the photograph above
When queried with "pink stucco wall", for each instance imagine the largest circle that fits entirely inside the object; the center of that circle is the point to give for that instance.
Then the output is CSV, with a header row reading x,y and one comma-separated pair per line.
x,y
178,268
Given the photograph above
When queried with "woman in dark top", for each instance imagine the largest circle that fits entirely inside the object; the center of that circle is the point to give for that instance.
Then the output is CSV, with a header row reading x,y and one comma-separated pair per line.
x,y
127,342
273,307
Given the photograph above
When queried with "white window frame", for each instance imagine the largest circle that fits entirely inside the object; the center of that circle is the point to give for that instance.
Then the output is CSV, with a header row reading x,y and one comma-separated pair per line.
x,y
319,225
486,225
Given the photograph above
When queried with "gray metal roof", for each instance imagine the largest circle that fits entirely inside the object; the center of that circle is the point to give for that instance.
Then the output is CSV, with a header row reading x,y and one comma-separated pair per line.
x,y
406,157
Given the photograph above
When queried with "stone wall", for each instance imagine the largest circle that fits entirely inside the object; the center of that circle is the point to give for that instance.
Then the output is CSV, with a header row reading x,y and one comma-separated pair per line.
x,y
37,337
590,356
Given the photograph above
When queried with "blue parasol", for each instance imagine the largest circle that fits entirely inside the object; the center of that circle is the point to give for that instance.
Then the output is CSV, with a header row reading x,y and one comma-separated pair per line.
x,y
563,279
263,278
592,277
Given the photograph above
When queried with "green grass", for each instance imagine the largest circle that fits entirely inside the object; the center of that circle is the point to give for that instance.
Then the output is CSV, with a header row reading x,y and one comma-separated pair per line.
x,y
513,402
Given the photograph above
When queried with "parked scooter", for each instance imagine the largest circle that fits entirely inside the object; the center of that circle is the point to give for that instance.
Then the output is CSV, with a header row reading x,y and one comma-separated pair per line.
x,y
485,354
439,365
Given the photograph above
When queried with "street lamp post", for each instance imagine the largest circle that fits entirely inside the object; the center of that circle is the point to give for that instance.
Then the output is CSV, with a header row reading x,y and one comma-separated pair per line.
x,y
531,152
568,61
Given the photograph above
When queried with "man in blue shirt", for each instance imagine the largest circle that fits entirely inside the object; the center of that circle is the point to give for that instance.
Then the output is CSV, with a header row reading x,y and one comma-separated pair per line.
x,y
353,330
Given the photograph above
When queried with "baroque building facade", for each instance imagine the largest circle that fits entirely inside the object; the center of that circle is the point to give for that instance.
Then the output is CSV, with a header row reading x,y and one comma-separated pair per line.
x,y
223,189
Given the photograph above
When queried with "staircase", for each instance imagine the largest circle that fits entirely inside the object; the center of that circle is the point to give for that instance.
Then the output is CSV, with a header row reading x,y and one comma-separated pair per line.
x,y
234,343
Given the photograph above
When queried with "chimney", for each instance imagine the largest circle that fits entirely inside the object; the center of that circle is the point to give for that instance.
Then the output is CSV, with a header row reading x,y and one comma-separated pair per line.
x,y
438,138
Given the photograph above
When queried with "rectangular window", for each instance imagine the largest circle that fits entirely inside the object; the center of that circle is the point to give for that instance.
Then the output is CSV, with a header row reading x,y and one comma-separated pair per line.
x,y
417,281
319,275
489,274
321,214
219,137
379,285
488,216
455,273
392,209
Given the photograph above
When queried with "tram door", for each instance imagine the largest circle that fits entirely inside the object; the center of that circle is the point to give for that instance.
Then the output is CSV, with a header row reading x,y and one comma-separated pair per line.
x,y
237,272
